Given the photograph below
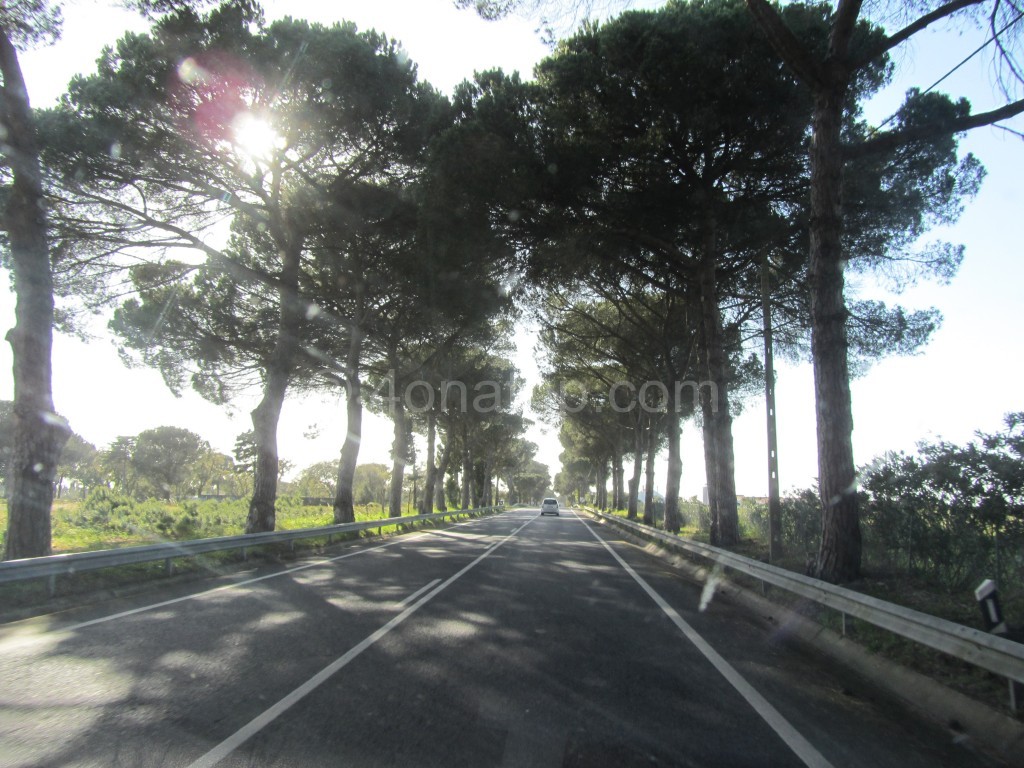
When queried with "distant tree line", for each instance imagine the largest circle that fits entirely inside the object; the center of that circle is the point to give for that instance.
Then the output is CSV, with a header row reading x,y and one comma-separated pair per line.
x,y
171,463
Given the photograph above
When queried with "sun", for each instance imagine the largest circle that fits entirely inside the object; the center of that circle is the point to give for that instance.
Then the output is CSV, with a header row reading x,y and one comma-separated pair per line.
x,y
253,137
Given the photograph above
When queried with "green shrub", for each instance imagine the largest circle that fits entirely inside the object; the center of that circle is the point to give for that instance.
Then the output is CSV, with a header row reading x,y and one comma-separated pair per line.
x,y
801,521
102,507
753,519
695,514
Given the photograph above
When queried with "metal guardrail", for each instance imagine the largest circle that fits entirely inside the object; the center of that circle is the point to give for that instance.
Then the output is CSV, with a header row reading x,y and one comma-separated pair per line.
x,y
52,566
991,652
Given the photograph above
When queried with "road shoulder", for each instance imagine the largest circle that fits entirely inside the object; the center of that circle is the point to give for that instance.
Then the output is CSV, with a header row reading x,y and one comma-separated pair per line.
x,y
966,720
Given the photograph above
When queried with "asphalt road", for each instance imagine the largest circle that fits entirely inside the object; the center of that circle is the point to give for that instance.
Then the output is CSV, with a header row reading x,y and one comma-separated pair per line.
x,y
514,640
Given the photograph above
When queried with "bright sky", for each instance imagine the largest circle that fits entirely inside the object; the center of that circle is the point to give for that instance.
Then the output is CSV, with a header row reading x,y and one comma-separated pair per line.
x,y
966,379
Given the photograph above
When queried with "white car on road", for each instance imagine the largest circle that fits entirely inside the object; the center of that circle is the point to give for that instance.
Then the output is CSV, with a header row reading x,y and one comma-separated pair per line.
x,y
549,507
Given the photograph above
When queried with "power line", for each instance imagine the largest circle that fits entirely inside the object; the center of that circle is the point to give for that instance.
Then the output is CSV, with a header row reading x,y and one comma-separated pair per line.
x,y
974,53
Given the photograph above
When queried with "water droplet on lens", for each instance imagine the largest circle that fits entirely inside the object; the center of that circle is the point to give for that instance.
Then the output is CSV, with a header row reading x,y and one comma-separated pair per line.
x,y
53,419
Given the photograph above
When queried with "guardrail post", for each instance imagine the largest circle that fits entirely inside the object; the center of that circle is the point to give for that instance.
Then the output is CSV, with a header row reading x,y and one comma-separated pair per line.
x,y
245,554
51,585
843,615
169,566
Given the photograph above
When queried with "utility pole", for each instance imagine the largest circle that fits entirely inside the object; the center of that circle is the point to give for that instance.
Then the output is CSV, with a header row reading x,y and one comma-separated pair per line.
x,y
774,500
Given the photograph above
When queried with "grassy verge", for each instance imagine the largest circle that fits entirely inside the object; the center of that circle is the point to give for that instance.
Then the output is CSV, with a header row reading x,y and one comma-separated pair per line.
x,y
106,522
687,531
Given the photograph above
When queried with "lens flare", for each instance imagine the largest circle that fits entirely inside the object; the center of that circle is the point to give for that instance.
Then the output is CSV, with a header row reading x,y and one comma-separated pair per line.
x,y
253,137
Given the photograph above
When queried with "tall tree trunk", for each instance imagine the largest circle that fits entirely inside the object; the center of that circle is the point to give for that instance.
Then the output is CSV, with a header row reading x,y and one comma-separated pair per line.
x,y
427,502
265,417
839,558
39,433
710,470
467,472
479,484
675,471
616,462
442,469
267,414
652,449
344,503
840,555
609,497
399,451
638,463
726,532
618,476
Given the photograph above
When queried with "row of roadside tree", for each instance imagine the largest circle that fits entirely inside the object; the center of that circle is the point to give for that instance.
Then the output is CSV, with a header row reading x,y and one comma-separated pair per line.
x,y
287,206
257,204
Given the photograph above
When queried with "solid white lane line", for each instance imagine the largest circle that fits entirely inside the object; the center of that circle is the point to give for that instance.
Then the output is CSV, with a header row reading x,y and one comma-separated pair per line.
x,y
418,592
445,534
25,640
810,756
254,726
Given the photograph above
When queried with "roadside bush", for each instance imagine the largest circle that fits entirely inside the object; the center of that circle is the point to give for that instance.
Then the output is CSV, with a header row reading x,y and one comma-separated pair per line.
x,y
947,514
753,518
952,514
801,521
104,508
695,514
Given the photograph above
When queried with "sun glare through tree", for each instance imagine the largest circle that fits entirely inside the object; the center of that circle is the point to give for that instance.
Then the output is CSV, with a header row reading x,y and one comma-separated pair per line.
x,y
253,137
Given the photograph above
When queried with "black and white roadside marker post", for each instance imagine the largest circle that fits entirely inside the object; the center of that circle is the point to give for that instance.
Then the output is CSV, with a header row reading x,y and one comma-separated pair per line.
x,y
991,613
987,596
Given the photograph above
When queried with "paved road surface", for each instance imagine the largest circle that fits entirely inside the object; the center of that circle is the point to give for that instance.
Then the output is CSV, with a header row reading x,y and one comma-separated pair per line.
x,y
514,640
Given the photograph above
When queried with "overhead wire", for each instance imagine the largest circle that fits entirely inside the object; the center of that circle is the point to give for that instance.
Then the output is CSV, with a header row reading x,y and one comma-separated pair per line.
x,y
975,52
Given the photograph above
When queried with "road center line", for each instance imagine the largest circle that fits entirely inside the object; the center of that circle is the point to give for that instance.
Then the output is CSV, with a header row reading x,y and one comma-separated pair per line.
x,y
810,756
418,592
261,721
19,641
